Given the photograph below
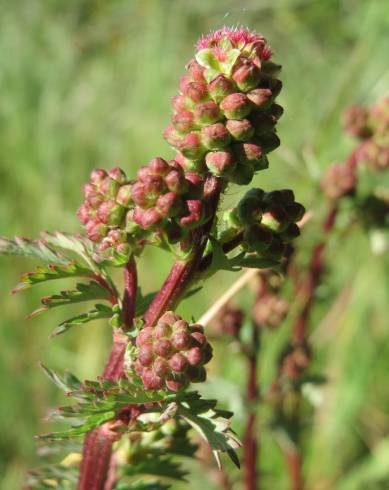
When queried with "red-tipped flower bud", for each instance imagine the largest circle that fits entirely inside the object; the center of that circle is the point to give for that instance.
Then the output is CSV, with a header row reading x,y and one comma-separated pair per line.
x,y
206,113
240,129
220,162
236,106
215,136
246,76
183,122
220,87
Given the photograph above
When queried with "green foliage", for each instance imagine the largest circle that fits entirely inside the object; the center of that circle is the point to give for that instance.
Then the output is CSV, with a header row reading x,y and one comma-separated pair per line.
x,y
100,401
37,249
220,261
50,272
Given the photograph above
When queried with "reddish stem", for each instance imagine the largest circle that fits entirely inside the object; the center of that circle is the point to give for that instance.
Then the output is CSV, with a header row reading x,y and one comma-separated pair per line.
x,y
312,280
250,444
251,441
100,280
94,468
96,464
183,272
294,463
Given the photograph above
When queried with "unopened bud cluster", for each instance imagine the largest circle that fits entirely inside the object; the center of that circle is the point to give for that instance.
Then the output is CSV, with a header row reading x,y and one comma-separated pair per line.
x,y
163,202
172,354
270,310
339,180
268,220
104,211
167,199
371,128
224,117
229,321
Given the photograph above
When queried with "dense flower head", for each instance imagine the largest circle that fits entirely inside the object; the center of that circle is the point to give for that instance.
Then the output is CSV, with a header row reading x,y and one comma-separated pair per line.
x,y
225,115
270,311
160,206
172,354
229,321
268,221
240,38
371,125
339,180
167,199
107,200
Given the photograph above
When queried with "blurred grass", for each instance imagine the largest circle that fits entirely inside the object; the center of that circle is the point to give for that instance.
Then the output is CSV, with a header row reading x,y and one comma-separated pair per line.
x,y
88,83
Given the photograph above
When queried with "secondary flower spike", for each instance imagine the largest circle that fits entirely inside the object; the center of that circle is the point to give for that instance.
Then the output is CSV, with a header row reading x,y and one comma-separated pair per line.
x,y
172,354
224,118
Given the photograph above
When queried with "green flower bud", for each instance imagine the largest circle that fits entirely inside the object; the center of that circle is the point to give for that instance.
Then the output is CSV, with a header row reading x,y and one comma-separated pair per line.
x,y
191,147
215,136
236,106
257,238
231,218
241,130
183,122
242,175
276,219
220,87
195,93
249,209
220,162
260,97
246,76
110,213
117,174
290,233
206,113
123,197
249,153
269,142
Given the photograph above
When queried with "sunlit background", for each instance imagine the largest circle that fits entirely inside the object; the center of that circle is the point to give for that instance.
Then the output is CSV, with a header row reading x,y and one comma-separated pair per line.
x,y
88,83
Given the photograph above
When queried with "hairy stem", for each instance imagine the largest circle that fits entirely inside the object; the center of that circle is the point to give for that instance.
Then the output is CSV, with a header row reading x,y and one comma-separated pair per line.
x,y
183,272
96,468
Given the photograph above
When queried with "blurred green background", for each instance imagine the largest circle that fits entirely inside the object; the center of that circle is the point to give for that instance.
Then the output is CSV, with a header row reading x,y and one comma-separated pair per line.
x,y
87,83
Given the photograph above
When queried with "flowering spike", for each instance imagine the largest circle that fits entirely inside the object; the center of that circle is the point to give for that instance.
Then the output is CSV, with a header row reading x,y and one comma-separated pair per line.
x,y
172,354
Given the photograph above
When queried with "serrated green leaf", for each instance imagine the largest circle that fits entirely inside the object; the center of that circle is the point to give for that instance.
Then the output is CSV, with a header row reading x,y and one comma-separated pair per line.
x,y
87,425
212,424
37,249
66,241
51,272
100,311
67,382
83,292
